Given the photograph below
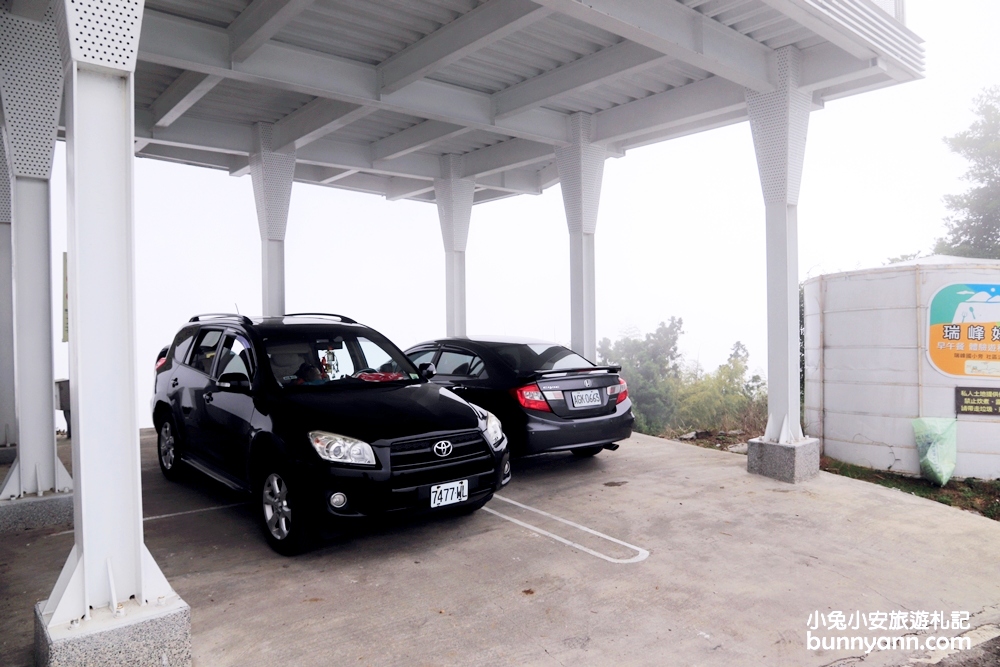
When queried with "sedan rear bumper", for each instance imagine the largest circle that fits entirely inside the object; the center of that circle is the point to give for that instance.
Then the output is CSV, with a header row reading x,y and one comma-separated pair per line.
x,y
548,433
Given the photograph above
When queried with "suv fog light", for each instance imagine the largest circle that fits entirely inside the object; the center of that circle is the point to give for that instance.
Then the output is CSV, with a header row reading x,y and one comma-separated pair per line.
x,y
506,468
338,500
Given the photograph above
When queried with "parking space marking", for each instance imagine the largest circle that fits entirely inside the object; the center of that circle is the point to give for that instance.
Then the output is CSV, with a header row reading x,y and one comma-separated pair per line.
x,y
641,554
167,516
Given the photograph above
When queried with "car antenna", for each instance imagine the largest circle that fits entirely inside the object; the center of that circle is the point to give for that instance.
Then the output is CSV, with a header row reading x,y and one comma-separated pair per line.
x,y
237,307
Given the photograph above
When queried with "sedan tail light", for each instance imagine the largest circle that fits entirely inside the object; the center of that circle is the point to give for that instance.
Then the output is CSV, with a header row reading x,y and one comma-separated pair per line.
x,y
620,390
531,398
160,362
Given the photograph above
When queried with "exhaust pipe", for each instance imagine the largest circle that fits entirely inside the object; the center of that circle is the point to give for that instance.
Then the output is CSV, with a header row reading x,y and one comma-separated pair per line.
x,y
611,447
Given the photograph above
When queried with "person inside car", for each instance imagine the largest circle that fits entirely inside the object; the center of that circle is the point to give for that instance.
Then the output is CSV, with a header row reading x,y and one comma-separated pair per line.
x,y
309,374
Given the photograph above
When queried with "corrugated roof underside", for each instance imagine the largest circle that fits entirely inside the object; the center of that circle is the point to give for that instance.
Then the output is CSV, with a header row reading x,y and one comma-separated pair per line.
x,y
378,125
237,102
150,82
536,49
757,21
370,31
215,12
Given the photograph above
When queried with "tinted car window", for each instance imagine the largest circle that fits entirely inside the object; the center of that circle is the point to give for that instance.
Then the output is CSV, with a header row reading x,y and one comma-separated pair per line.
x,y
527,358
332,357
182,343
453,362
235,357
422,357
204,350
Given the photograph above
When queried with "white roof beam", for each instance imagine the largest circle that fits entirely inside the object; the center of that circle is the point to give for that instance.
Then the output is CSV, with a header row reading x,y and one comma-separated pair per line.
x,y
370,183
404,188
415,138
505,155
314,121
235,140
181,95
189,45
826,65
488,23
259,22
484,196
182,155
696,101
679,31
515,181
195,133
684,129
577,76
341,173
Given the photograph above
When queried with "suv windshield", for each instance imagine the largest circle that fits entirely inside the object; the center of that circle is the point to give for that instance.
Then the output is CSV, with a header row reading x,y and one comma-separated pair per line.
x,y
528,358
334,357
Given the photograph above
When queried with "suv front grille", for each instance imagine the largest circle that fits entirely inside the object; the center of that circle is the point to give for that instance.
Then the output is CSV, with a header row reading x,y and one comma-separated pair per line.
x,y
419,453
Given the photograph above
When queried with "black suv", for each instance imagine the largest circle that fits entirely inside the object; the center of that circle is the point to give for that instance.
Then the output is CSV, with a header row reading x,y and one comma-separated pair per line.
x,y
317,417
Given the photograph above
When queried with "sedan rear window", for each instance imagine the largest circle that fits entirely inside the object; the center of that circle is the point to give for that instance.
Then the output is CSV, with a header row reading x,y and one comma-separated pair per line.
x,y
334,358
531,357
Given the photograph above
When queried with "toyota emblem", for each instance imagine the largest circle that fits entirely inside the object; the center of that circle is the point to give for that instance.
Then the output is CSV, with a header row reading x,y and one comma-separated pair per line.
x,y
442,448
587,383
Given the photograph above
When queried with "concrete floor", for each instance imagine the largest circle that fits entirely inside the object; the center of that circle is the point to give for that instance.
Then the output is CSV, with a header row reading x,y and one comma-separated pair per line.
x,y
737,563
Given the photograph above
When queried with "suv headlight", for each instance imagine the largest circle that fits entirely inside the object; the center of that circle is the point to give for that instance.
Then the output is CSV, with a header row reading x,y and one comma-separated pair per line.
x,y
493,432
341,449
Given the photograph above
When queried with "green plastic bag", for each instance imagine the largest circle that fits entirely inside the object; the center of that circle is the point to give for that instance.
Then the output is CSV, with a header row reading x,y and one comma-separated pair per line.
x,y
937,446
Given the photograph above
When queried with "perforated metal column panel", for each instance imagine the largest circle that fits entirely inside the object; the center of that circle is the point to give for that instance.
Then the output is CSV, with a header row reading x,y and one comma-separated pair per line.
x,y
31,86
272,173
779,121
581,170
8,426
454,196
31,81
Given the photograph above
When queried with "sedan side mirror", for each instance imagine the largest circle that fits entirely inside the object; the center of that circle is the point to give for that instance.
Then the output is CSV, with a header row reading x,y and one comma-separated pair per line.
x,y
236,382
427,371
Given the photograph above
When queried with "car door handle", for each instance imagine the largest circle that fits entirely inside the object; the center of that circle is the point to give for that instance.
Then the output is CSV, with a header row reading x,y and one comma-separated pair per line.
x,y
174,382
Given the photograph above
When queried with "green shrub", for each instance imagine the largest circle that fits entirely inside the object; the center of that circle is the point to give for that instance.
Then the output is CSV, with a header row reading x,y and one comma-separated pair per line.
x,y
670,397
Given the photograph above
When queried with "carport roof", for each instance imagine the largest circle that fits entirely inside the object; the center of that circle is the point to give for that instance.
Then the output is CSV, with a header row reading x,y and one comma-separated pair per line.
x,y
372,92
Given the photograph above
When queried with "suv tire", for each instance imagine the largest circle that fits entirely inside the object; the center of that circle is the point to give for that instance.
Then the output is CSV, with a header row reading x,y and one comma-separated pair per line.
x,y
285,522
167,452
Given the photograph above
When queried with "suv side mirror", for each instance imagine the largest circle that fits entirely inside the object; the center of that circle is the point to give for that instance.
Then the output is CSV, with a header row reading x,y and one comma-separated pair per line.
x,y
427,371
237,382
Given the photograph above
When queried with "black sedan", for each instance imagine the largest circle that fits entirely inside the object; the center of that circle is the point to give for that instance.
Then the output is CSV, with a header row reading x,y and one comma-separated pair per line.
x,y
547,397
319,417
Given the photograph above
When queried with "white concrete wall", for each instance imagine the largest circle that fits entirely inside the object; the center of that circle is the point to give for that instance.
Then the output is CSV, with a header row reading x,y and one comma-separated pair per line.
x,y
867,371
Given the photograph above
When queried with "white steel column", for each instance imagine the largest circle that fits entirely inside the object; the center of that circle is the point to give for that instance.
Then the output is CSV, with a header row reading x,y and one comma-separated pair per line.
x,y
31,90
8,423
581,170
272,173
454,203
779,121
110,583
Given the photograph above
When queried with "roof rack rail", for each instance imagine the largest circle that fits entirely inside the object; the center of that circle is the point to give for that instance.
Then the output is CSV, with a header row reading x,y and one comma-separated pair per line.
x,y
342,318
242,318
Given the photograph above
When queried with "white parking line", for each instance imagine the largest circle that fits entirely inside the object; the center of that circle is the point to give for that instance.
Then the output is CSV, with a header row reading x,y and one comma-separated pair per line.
x,y
167,516
641,554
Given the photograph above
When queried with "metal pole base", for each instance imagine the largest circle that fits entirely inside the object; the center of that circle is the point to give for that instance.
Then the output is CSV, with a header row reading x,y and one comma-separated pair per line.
x,y
792,463
149,636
